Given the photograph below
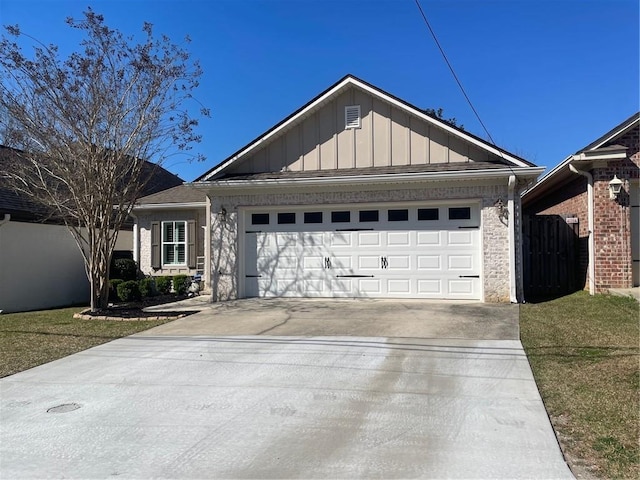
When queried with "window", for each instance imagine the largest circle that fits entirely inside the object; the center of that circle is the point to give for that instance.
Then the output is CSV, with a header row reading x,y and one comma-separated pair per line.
x,y
286,218
459,213
340,217
259,219
398,215
312,217
369,215
174,243
428,214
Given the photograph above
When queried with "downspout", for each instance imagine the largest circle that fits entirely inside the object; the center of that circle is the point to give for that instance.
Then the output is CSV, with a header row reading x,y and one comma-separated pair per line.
x,y
136,240
207,247
512,240
592,256
6,219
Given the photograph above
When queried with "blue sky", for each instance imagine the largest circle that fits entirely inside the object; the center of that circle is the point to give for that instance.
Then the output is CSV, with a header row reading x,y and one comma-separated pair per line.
x,y
547,76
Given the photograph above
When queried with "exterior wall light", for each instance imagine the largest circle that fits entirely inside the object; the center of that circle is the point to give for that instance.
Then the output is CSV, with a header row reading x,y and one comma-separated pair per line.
x,y
615,186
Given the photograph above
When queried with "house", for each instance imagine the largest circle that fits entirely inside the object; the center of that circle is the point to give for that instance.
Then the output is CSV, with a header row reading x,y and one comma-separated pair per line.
x,y
40,263
598,187
356,194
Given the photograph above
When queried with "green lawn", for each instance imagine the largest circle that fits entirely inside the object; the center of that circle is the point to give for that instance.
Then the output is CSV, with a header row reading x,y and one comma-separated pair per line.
x,y
33,338
584,353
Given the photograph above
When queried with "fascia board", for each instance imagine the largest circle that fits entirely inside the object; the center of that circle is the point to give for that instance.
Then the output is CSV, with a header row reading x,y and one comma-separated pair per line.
x,y
528,172
170,206
616,133
377,93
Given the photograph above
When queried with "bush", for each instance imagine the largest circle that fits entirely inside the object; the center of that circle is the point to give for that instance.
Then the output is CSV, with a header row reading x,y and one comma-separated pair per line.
x,y
147,287
128,291
113,288
163,285
180,284
124,268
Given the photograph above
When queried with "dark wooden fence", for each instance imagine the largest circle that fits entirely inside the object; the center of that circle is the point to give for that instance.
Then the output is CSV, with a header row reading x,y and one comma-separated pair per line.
x,y
550,256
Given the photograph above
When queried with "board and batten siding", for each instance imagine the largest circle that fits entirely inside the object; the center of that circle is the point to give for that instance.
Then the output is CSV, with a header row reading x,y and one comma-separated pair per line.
x,y
388,136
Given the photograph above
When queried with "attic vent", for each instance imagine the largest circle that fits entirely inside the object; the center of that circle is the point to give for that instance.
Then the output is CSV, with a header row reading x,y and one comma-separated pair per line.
x,y
352,116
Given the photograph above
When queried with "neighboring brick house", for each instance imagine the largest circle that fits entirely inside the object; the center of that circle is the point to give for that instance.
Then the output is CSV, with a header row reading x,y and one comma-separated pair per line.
x,y
356,194
40,264
610,243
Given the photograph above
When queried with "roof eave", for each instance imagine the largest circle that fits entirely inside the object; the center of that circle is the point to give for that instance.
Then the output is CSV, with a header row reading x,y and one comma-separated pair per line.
x,y
169,206
523,172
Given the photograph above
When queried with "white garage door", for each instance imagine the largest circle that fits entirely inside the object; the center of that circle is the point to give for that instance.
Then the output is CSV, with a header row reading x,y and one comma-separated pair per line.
x,y
401,252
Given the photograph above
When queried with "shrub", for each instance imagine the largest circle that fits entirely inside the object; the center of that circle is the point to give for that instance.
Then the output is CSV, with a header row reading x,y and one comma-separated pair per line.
x,y
147,287
163,285
180,284
113,288
128,291
124,268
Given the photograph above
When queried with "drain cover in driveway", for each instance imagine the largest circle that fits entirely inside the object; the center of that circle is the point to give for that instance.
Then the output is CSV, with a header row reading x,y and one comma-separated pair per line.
x,y
64,408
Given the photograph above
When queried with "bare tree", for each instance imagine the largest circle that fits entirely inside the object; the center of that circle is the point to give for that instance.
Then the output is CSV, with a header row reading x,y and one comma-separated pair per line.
x,y
85,125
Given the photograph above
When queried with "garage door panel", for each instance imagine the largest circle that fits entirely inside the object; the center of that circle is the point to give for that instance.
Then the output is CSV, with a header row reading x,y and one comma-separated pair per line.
x,y
398,263
460,238
313,287
340,239
408,259
312,239
430,287
341,286
461,286
369,239
342,262
313,262
428,239
429,262
399,286
460,262
368,262
370,286
398,239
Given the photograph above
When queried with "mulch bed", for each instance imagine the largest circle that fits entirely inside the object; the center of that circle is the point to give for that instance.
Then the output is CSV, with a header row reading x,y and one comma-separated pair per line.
x,y
133,311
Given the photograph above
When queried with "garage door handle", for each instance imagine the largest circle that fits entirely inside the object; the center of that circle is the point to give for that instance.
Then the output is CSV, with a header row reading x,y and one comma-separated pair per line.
x,y
468,276
327,262
472,226
253,276
354,276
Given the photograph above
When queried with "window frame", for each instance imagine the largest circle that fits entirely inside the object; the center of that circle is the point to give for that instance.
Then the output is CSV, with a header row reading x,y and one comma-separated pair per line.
x,y
176,243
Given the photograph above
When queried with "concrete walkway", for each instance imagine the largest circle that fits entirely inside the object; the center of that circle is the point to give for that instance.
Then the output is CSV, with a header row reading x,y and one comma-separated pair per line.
x,y
280,406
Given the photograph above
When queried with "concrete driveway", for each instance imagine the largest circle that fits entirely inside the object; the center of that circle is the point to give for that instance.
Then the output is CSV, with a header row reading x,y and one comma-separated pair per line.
x,y
250,389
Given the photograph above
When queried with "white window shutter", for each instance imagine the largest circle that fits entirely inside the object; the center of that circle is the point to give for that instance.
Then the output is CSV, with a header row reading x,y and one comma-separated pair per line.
x,y
352,116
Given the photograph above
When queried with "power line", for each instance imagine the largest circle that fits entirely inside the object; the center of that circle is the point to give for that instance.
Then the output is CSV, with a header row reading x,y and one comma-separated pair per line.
x,y
433,34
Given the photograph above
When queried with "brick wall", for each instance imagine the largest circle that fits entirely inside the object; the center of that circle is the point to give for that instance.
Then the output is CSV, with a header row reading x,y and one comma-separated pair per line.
x,y
495,237
612,235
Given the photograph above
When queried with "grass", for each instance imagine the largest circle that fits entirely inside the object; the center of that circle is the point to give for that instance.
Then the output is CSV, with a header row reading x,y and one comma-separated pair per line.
x,y
584,353
30,339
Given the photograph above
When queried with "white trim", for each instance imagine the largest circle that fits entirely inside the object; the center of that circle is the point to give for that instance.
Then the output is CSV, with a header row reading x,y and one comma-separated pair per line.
x,y
591,223
617,133
370,179
511,226
170,206
185,243
350,81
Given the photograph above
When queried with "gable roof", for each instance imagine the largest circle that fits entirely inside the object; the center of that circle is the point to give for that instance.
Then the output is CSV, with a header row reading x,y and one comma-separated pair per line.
x,y
604,148
331,93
